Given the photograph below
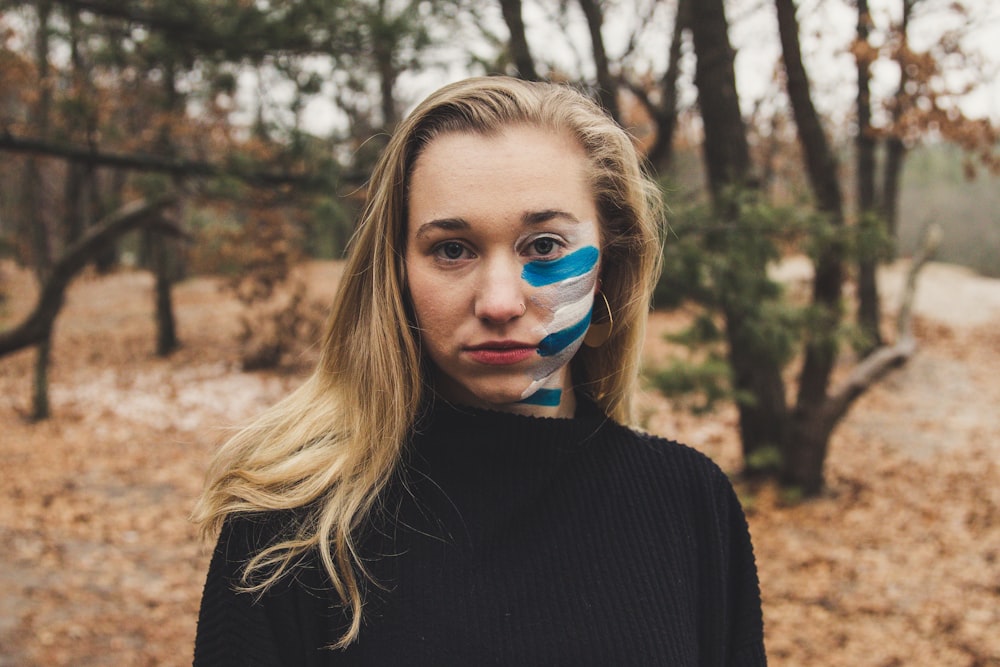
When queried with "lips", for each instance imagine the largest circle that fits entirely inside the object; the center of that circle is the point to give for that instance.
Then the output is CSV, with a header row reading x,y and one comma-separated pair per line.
x,y
501,353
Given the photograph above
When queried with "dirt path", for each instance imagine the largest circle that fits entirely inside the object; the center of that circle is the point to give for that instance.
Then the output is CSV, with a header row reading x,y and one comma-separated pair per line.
x,y
898,564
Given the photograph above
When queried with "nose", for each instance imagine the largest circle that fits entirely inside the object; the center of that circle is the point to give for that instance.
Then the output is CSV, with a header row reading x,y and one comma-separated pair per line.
x,y
500,296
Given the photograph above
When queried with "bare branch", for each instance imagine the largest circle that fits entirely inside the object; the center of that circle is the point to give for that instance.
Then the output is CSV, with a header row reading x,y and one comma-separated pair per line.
x,y
877,364
37,326
258,37
152,163
931,242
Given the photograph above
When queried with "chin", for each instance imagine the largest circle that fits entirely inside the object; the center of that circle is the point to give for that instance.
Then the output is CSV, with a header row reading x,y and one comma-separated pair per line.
x,y
499,399
486,397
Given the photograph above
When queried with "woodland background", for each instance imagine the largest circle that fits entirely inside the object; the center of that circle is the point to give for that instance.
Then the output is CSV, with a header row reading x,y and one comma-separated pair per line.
x,y
178,181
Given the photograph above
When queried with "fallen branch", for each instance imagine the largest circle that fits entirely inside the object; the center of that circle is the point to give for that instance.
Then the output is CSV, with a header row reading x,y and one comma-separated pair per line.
x,y
37,326
875,366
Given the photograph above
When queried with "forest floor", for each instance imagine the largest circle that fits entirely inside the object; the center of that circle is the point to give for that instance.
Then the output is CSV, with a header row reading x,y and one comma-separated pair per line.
x,y
897,563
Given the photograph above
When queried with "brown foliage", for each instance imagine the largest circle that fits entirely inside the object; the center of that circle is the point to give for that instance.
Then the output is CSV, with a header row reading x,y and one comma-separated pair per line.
x,y
927,105
277,319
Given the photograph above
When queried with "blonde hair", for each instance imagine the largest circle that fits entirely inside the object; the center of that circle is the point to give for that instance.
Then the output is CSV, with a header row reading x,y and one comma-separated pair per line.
x,y
333,444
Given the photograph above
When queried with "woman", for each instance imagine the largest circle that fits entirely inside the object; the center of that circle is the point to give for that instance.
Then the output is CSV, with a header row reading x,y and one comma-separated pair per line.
x,y
453,485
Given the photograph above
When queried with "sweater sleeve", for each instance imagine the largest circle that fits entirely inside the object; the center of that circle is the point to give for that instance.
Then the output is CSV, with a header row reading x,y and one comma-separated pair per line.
x,y
746,647
233,627
290,623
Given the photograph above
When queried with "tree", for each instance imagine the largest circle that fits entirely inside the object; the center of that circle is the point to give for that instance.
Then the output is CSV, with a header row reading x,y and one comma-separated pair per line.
x,y
145,103
813,422
607,84
520,53
664,111
869,221
33,193
923,104
721,263
67,121
36,327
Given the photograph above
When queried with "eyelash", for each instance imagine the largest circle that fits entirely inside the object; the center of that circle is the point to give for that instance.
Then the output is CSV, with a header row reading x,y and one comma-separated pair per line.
x,y
439,249
557,244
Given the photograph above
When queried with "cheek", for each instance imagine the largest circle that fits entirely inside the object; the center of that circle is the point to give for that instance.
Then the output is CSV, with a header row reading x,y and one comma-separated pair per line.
x,y
567,301
419,291
435,307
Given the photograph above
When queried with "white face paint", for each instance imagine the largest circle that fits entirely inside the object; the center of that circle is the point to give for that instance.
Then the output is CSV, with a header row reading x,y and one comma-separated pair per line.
x,y
565,288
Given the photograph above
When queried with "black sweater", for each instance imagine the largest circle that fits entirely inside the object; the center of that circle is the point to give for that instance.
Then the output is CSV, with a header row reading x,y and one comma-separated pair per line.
x,y
510,540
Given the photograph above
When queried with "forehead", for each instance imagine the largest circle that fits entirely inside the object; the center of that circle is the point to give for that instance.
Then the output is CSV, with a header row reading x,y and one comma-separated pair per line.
x,y
461,174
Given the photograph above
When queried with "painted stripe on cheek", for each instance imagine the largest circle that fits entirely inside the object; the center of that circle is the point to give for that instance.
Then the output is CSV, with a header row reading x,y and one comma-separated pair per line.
x,y
572,312
575,264
547,397
556,342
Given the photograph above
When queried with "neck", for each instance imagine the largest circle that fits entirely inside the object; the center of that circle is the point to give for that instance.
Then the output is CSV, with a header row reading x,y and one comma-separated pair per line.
x,y
564,406
557,400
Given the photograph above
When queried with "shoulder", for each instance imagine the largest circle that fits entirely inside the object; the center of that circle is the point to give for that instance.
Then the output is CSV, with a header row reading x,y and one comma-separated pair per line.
x,y
664,472
245,535
664,456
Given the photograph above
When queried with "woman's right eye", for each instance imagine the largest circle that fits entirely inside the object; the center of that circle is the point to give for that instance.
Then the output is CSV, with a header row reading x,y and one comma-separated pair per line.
x,y
450,250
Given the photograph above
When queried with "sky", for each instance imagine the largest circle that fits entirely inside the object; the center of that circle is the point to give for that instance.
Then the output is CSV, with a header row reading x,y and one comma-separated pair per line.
x,y
828,28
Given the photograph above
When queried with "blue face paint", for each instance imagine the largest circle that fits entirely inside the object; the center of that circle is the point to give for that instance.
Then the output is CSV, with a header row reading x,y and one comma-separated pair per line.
x,y
564,287
573,265
556,342
546,397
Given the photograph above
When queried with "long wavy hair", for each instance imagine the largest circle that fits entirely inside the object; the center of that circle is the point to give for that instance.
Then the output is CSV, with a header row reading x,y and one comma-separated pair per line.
x,y
329,448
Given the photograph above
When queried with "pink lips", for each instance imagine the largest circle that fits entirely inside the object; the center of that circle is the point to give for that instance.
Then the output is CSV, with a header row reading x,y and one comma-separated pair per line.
x,y
500,353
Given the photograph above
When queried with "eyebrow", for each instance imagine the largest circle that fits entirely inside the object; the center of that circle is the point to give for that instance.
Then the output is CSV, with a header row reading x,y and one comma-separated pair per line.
x,y
528,218
447,224
536,217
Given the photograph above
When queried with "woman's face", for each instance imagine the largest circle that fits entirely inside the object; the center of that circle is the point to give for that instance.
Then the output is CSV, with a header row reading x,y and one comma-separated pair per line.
x,y
502,262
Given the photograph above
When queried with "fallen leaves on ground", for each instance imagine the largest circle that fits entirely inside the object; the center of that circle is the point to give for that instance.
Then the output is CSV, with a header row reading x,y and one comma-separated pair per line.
x,y
897,563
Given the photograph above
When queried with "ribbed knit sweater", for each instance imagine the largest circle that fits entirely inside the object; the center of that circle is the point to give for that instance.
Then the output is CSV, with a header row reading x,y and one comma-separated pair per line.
x,y
512,540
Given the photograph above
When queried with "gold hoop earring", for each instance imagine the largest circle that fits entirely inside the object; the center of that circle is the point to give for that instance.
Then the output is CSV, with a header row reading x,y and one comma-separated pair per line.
x,y
599,332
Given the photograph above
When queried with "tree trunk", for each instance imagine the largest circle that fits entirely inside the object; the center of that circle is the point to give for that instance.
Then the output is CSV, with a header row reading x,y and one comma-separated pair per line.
x,y
34,223
520,53
384,48
607,86
763,423
802,465
868,225
40,408
895,151
763,420
106,259
806,450
727,155
35,217
163,260
166,326
661,152
73,214
895,155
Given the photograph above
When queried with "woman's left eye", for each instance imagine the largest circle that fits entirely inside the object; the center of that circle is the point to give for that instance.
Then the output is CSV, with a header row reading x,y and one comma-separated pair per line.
x,y
544,246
